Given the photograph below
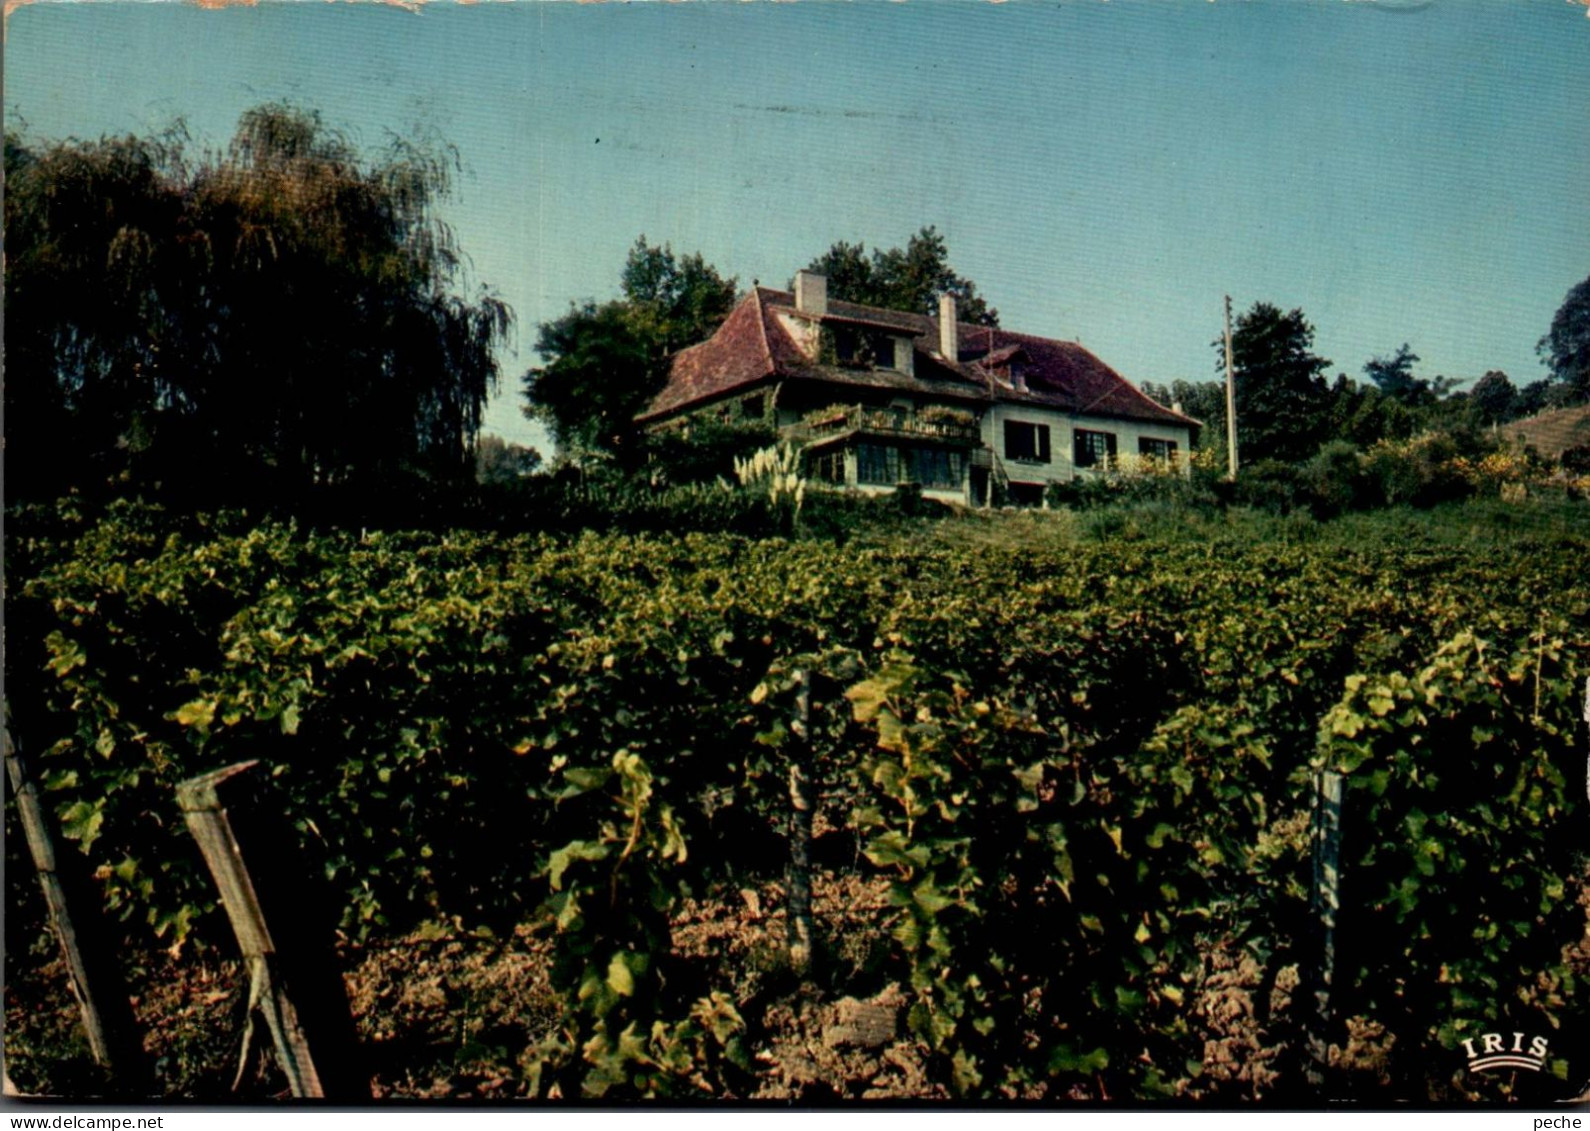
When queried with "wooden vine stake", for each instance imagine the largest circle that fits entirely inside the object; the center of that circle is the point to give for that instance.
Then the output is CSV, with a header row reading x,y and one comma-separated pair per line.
x,y
294,982
1587,736
1326,835
800,829
97,983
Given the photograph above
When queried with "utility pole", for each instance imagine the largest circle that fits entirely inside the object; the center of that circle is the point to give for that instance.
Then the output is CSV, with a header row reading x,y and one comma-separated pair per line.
x,y
1231,402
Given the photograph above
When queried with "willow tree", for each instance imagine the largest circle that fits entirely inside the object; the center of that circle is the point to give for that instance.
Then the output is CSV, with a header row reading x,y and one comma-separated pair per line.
x,y
274,317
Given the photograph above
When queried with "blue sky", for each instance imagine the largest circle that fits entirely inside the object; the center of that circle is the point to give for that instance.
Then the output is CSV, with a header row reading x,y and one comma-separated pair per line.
x,y
1105,171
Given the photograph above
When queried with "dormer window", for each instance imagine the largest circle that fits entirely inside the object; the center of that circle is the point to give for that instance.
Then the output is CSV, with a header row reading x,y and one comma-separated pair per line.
x,y
1008,364
862,349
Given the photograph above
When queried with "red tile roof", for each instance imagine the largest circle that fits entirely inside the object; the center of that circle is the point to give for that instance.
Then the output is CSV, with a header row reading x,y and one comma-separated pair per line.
x,y
751,348
739,355
1064,376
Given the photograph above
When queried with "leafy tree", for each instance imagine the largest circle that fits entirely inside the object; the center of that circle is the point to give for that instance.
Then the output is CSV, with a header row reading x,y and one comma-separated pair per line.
x,y
1282,401
1494,397
910,279
1566,347
273,318
848,269
605,361
686,296
497,461
1363,414
1393,376
1542,396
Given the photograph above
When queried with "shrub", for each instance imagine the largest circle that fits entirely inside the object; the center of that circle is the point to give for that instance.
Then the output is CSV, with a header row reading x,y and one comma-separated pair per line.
x,y
1420,472
1334,480
1137,481
1576,460
1269,485
705,451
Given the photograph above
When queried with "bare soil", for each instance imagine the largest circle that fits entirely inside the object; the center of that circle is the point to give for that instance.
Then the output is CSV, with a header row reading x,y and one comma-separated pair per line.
x,y
445,1015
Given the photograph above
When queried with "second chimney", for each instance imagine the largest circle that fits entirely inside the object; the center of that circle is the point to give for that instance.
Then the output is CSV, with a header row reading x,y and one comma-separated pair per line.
x,y
949,330
811,293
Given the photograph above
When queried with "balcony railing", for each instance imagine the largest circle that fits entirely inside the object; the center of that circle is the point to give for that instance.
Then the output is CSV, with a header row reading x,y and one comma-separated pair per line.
x,y
886,422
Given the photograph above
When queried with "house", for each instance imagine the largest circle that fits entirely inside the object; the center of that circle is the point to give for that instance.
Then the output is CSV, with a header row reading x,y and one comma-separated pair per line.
x,y
878,397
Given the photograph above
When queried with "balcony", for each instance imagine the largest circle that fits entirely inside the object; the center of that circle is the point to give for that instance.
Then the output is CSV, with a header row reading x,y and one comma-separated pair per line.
x,y
952,427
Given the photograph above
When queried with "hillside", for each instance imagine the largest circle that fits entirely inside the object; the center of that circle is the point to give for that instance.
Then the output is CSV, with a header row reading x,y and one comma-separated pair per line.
x,y
1553,432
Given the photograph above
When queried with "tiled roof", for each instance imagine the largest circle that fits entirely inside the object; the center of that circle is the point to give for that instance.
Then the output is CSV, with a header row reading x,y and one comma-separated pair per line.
x,y
751,348
1003,355
739,355
1064,376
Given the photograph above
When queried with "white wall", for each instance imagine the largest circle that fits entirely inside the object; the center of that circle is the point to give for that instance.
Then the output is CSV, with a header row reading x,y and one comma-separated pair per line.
x,y
1062,441
802,331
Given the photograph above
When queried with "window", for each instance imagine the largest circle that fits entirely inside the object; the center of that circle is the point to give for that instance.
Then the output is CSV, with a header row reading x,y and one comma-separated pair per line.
x,y
1026,494
877,463
1094,449
847,344
1162,450
887,464
856,347
827,467
1028,442
882,350
935,467
751,408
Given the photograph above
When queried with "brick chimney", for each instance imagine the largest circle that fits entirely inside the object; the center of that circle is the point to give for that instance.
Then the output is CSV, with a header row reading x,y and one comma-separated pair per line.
x,y
949,329
811,293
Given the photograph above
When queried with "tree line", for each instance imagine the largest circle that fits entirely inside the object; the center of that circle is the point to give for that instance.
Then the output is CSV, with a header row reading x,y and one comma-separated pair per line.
x,y
604,362
1287,409
285,317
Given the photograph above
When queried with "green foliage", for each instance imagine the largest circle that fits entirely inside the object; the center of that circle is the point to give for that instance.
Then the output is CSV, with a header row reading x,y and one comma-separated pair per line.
x,y
684,295
910,278
1542,396
1576,460
1420,473
208,327
1200,491
1281,397
1073,791
1461,773
1335,479
1565,349
1494,397
1393,376
705,448
498,462
603,362
1271,485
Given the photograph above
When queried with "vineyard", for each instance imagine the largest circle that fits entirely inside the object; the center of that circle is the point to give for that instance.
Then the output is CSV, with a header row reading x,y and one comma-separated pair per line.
x,y
1055,794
